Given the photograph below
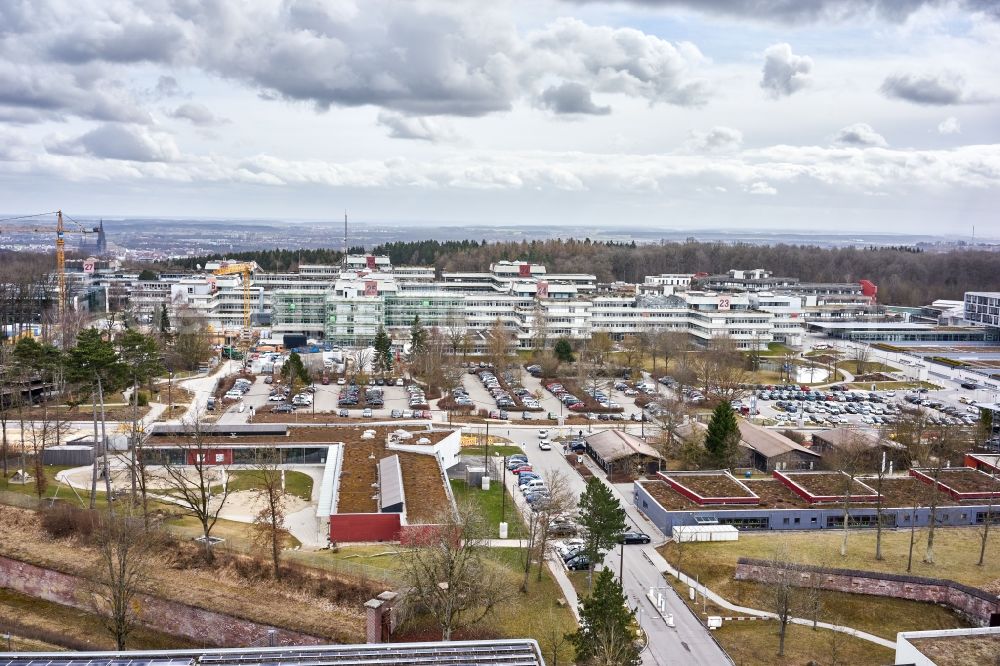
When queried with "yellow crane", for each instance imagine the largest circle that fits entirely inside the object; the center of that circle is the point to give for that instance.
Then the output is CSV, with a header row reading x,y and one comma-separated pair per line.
x,y
244,268
60,231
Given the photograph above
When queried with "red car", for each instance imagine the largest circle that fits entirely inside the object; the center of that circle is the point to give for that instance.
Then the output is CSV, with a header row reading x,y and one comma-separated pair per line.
x,y
522,468
578,407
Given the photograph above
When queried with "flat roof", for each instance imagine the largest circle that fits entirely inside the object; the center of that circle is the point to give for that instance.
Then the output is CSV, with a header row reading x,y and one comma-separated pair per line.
x,y
512,651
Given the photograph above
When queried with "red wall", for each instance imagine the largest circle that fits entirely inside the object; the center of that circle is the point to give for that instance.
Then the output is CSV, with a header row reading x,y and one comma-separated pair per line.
x,y
351,527
869,289
227,456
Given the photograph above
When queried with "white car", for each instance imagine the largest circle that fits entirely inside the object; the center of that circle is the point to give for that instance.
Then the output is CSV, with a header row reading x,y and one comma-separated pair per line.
x,y
542,434
341,381
544,445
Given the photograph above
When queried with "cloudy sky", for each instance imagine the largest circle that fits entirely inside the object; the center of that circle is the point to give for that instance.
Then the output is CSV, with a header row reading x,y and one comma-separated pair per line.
x,y
806,114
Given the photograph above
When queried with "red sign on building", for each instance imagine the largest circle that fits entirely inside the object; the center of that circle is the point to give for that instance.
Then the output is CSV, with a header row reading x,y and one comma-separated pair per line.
x,y
543,290
524,270
371,261
371,288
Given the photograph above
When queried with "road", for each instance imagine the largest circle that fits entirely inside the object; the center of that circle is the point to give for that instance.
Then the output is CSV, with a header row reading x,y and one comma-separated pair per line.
x,y
689,641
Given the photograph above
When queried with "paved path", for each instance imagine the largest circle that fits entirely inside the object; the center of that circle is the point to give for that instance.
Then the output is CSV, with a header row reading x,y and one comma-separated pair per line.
x,y
666,567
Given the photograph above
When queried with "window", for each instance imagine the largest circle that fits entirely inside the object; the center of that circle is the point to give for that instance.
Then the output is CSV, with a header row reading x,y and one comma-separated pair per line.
x,y
797,521
784,521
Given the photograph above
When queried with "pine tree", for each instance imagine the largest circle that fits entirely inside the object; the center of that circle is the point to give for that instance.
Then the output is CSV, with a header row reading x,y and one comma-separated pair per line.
x,y
564,351
164,319
418,337
602,519
383,351
606,632
723,437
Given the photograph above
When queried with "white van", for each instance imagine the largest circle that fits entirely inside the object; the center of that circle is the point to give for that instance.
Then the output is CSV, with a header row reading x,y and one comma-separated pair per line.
x,y
533,484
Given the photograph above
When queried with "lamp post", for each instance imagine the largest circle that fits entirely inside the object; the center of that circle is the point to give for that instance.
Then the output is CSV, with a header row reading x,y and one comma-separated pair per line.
x,y
170,394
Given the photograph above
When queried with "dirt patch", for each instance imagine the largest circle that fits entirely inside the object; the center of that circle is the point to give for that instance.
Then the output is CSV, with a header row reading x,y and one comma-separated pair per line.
x,y
711,485
830,484
969,481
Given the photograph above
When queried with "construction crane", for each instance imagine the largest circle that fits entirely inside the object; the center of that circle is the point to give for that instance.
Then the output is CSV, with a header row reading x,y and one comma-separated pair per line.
x,y
60,232
245,269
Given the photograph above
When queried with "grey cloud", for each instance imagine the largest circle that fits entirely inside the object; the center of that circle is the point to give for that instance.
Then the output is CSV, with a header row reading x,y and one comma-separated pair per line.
x,y
716,140
122,43
420,129
418,59
784,72
167,86
932,89
197,114
860,134
118,142
797,12
572,98
56,92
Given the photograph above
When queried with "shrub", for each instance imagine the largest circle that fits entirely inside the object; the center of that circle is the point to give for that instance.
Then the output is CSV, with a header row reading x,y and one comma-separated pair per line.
x,y
62,521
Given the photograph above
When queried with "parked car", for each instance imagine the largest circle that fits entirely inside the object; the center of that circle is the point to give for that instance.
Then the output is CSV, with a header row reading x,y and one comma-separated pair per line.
x,y
343,413
284,408
269,380
579,563
634,537
366,412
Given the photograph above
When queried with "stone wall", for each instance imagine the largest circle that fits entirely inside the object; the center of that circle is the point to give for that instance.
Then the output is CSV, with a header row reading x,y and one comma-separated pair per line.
x,y
197,624
975,604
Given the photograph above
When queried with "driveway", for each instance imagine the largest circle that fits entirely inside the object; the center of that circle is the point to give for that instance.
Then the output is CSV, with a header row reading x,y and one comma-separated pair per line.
x,y
688,642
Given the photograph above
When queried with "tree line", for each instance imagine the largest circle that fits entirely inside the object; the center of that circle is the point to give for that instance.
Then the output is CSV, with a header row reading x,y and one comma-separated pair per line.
x,y
905,275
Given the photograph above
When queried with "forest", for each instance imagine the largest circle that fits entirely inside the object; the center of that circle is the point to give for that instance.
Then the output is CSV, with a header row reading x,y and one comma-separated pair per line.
x,y
904,275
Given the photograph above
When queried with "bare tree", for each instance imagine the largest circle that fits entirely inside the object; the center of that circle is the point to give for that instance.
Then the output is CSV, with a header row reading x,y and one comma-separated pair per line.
x,y
539,327
881,471
941,446
721,370
862,354
125,552
668,343
561,499
673,414
849,459
198,480
449,573
269,521
782,593
988,518
498,345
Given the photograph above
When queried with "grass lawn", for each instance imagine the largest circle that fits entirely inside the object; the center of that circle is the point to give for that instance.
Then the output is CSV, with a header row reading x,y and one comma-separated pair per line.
x,y
777,349
871,366
895,386
296,483
491,502
237,535
70,627
956,551
757,643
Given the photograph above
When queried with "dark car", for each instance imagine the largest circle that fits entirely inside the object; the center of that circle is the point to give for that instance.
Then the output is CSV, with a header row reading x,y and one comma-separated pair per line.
x,y
284,408
343,413
579,563
633,537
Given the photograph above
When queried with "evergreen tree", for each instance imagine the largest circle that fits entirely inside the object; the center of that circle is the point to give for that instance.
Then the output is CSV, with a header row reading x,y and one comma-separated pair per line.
x,y
564,351
418,337
723,437
164,319
294,371
606,633
602,519
383,351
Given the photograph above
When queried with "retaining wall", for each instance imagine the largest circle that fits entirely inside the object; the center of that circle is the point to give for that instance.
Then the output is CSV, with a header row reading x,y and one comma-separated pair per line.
x,y
197,624
975,604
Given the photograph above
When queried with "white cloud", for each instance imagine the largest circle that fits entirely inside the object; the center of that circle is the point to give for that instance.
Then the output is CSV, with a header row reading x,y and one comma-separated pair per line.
x,y
784,72
760,187
860,134
421,129
950,125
